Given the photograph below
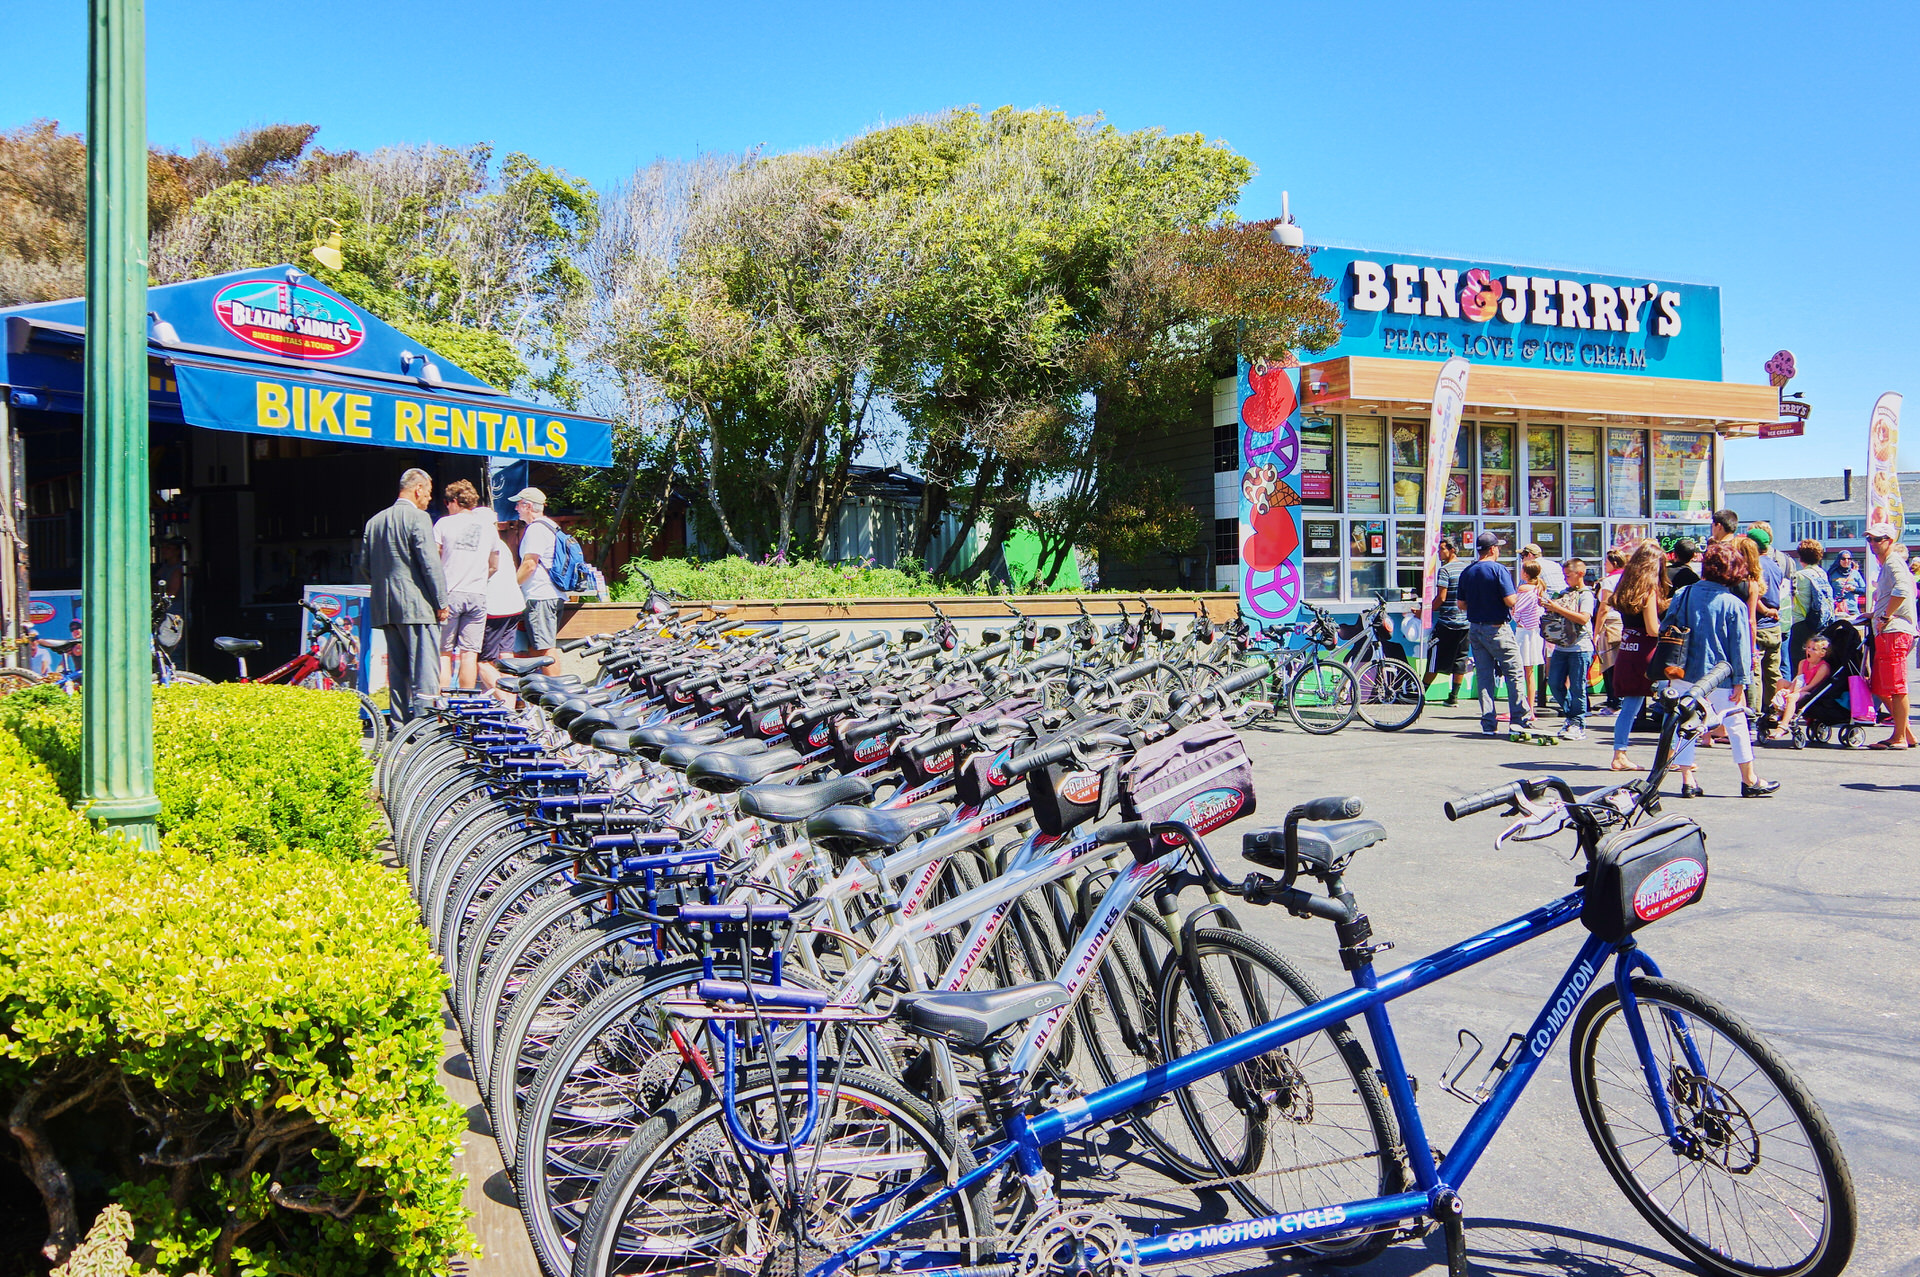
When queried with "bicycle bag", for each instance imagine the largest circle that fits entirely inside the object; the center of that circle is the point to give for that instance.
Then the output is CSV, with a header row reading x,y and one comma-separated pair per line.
x,y
1642,875
1065,794
1200,776
979,776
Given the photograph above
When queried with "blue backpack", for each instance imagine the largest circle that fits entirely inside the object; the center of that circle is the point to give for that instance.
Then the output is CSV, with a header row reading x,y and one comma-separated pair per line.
x,y
568,571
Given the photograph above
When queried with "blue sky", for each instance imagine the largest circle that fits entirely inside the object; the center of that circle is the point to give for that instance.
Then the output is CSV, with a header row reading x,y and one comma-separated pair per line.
x,y
1768,149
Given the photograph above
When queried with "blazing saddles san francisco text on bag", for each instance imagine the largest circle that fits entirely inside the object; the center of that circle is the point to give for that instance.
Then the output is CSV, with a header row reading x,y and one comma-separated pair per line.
x,y
1200,776
1642,875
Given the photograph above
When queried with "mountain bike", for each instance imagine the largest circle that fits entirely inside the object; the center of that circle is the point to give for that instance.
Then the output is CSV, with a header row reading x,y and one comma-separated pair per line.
x,y
324,664
1388,693
1700,1123
166,635
1317,689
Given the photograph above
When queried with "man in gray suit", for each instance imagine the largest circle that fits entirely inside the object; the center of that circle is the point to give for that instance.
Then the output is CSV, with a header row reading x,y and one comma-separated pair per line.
x,y
409,594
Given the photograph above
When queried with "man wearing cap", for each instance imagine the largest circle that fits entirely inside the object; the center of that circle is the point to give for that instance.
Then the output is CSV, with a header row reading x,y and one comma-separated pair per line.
x,y
1766,630
1552,575
39,660
1894,627
537,546
409,597
1488,591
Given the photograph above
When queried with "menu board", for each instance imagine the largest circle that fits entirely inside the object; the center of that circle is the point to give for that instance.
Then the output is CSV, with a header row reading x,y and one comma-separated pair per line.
x,y
1322,538
1583,470
1316,462
1363,464
1543,470
1627,474
1682,476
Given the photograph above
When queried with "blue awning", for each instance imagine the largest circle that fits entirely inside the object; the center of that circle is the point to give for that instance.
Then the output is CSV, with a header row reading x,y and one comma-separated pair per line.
x,y
272,352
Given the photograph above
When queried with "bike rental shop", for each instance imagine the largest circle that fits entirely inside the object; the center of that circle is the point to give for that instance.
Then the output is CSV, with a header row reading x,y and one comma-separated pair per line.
x,y
282,416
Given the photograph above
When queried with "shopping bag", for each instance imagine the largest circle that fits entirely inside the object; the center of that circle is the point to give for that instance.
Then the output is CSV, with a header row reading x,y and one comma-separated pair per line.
x,y
1860,699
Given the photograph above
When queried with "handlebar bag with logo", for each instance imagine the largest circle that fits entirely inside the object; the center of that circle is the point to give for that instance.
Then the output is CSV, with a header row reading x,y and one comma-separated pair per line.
x,y
1642,875
979,777
1200,776
1065,794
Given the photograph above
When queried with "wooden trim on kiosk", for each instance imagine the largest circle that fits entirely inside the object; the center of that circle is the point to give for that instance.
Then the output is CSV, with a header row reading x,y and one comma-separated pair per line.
x,y
1333,384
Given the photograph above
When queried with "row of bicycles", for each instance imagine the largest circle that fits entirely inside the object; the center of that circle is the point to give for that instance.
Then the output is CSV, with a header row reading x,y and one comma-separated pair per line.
x,y
781,953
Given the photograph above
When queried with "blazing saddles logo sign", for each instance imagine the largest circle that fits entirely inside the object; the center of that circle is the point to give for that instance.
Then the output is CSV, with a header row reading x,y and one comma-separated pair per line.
x,y
288,319
1436,308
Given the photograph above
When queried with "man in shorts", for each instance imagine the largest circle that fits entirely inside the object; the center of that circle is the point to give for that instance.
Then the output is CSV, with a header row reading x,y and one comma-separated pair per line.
x,y
1447,642
537,546
506,607
1894,627
469,551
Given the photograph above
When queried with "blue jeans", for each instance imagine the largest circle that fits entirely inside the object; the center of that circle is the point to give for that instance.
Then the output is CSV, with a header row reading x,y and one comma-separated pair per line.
x,y
1496,656
1623,725
1567,682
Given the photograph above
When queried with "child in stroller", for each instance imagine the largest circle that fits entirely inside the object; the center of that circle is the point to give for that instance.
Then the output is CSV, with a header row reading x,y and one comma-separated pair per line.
x,y
1815,704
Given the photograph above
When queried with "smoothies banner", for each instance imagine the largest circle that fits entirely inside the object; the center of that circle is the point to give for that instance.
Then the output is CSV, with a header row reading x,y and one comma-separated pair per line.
x,y
1269,494
1883,474
1449,398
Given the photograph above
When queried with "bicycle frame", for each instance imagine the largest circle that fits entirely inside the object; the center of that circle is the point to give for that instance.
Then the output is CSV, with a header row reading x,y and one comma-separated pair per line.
x,y
1025,1137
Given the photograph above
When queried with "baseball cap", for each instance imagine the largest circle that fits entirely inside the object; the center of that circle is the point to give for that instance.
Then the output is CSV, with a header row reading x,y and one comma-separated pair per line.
x,y
1761,537
1531,547
1487,540
1886,530
529,494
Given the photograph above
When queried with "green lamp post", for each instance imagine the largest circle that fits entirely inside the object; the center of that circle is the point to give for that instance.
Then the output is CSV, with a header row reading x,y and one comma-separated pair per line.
x,y
117,743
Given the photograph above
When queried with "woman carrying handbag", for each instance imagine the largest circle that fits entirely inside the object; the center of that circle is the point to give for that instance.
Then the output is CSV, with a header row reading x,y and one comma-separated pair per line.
x,y
1711,624
1637,600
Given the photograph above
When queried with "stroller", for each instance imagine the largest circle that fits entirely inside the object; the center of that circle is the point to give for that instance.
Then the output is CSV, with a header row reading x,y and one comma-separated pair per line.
x,y
1829,710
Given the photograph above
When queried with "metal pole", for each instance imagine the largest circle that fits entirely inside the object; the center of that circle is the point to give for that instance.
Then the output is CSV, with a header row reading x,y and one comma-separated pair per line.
x,y
117,744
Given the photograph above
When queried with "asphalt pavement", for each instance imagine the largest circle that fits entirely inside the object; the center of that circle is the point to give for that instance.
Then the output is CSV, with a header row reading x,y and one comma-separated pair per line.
x,y
1808,930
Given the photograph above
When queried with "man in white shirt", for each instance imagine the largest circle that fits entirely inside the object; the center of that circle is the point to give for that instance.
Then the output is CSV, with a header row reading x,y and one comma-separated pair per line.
x,y
469,551
537,546
505,608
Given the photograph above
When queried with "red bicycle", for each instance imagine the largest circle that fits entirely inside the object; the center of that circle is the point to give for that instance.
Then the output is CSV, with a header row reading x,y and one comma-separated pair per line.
x,y
325,664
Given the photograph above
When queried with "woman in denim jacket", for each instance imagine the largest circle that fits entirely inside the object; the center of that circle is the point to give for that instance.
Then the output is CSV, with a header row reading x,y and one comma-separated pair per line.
x,y
1720,630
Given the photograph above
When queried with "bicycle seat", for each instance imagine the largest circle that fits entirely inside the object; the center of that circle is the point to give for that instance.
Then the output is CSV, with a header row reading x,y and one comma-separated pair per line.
x,y
850,831
970,1020
62,646
790,804
682,755
613,740
239,646
515,664
1323,848
723,773
648,742
583,728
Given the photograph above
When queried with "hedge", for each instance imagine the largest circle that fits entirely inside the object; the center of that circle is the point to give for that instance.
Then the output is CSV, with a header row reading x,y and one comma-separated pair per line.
x,y
239,1049
238,767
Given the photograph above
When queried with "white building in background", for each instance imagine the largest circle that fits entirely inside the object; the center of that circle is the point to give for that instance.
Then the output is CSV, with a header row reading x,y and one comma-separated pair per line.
x,y
1832,511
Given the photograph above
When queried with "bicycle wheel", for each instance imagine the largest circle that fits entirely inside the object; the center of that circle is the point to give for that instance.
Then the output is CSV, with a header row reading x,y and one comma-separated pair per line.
x,y
1321,698
185,676
1761,1186
1302,1125
1388,694
683,1195
12,680
373,726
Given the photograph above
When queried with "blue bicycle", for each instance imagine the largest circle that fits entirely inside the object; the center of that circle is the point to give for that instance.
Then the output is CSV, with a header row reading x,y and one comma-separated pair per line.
x,y
793,1168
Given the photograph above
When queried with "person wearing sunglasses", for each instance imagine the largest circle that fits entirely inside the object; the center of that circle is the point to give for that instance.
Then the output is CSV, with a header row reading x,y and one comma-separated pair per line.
x,y
1894,627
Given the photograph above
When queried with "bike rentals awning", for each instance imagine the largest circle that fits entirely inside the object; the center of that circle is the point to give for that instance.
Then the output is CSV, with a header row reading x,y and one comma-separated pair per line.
x,y
274,352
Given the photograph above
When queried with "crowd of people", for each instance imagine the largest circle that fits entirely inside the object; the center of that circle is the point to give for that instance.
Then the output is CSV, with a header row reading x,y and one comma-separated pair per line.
x,y
454,596
1771,617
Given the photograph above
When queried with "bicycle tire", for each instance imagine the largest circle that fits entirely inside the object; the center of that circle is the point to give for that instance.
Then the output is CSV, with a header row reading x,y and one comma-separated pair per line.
x,y
1733,1153
882,1139
528,892
1321,697
478,828
403,742
373,726
1388,695
1286,1157
474,888
187,677
548,927
14,680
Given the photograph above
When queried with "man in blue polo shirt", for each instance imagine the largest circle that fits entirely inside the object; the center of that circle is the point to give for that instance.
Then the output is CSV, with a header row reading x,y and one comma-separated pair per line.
x,y
1488,591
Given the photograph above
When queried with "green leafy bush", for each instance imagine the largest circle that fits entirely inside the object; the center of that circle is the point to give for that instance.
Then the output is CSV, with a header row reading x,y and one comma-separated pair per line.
x,y
242,1048
738,578
238,766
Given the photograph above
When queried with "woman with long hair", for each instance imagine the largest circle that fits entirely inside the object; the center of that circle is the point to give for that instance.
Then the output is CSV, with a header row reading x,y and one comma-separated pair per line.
x,y
1640,597
1720,629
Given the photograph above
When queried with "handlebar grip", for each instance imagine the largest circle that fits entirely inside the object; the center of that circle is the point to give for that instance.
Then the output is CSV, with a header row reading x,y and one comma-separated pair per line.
x,y
573,644
991,653
814,713
797,634
1713,678
1139,669
946,740
874,726
1127,831
1247,678
1058,752
787,697
824,640
866,644
1456,808
920,653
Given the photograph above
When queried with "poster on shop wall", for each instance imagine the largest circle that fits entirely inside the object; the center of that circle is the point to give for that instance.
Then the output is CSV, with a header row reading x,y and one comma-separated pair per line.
x,y
1269,493
1884,504
1449,400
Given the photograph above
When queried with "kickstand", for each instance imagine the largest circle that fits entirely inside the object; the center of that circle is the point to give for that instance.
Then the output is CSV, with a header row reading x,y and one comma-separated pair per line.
x,y
1453,1227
